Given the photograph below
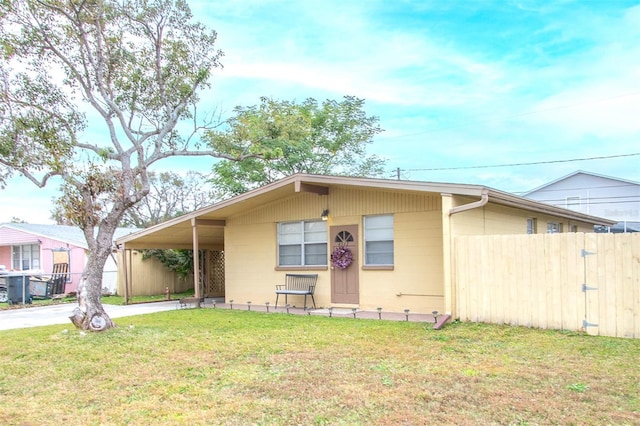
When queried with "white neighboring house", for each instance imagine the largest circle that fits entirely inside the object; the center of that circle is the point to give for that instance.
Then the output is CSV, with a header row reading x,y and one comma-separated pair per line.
x,y
597,195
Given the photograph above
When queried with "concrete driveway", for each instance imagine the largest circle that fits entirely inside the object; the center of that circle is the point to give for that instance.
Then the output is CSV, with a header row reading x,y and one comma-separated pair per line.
x,y
59,314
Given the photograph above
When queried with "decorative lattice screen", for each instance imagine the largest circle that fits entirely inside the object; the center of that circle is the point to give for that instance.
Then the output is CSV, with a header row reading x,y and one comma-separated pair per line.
x,y
214,274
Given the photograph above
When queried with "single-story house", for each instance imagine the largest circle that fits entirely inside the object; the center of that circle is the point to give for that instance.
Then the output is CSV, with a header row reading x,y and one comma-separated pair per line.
x,y
34,249
400,234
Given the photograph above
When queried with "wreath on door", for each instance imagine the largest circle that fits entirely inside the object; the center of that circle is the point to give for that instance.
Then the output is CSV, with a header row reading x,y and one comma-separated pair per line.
x,y
341,257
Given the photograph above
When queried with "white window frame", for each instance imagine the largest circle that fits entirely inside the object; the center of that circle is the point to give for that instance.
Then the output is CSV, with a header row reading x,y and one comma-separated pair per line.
x,y
573,203
370,236
532,225
554,227
303,242
22,253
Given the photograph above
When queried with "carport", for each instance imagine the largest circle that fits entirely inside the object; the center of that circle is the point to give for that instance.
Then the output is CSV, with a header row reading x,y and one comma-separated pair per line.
x,y
204,230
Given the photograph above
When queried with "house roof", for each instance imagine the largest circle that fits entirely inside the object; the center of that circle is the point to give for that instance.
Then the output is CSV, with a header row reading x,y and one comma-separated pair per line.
x,y
67,234
579,172
178,232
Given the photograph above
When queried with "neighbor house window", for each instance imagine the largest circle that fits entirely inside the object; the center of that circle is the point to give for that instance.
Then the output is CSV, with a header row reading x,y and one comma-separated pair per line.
x,y
26,257
302,243
573,203
378,240
554,227
532,226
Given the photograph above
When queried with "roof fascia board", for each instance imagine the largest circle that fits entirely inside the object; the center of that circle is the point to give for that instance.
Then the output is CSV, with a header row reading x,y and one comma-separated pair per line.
x,y
403,185
515,201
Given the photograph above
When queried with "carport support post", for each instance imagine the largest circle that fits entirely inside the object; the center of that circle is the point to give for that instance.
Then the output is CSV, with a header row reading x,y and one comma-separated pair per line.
x,y
123,253
196,262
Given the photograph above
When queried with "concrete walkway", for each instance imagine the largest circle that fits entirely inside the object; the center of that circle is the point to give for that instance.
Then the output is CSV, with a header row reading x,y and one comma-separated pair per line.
x,y
335,312
36,316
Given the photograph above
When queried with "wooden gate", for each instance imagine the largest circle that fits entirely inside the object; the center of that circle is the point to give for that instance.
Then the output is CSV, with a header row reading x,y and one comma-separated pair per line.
x,y
571,281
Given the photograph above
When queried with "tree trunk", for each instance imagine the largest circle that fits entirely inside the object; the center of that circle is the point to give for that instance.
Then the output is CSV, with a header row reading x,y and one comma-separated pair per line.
x,y
90,314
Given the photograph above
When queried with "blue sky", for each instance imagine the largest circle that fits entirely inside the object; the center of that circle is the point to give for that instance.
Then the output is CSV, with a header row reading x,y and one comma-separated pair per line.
x,y
456,84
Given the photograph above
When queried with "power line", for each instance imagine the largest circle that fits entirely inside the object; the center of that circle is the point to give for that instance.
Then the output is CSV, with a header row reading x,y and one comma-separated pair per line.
x,y
603,157
585,202
623,198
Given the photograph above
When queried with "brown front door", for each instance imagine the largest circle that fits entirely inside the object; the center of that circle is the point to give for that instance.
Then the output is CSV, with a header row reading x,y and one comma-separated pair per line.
x,y
344,282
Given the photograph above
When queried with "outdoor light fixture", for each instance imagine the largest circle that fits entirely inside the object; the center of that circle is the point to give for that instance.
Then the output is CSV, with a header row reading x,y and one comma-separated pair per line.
x,y
379,313
406,314
249,305
435,316
231,303
325,214
354,312
330,308
267,305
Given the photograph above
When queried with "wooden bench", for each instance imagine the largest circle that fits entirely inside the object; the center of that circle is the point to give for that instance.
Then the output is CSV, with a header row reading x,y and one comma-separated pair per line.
x,y
298,285
187,302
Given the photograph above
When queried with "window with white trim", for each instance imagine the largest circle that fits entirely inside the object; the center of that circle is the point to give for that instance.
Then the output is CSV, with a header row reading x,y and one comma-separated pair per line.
x,y
554,227
378,240
25,257
532,225
573,203
302,243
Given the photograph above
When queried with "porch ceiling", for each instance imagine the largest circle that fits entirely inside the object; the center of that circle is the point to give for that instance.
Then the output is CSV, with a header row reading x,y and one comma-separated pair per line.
x,y
180,236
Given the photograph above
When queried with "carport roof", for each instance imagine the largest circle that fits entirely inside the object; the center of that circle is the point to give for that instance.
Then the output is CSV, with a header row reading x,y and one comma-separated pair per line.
x,y
179,232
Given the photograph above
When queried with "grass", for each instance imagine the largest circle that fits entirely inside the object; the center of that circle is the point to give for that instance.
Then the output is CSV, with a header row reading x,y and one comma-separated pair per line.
x,y
119,300
214,366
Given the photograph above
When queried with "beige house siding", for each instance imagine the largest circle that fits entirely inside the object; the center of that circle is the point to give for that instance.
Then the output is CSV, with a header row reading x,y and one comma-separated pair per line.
x,y
418,272
250,255
359,202
415,283
495,219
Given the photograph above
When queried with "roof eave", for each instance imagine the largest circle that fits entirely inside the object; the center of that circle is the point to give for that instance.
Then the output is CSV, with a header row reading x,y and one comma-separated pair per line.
x,y
537,206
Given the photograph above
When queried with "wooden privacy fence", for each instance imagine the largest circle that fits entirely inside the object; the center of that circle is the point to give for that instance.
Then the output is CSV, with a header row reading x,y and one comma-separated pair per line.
x,y
571,281
148,277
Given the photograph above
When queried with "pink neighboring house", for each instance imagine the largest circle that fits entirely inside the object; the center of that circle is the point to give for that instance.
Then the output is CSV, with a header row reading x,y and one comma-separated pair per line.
x,y
33,248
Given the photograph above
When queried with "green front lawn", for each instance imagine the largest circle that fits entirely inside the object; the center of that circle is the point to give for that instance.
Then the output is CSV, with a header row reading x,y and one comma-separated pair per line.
x,y
215,366
119,300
